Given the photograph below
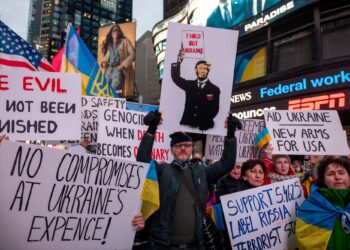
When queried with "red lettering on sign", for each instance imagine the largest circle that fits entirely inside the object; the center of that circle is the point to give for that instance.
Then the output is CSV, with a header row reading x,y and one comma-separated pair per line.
x,y
318,102
49,84
3,83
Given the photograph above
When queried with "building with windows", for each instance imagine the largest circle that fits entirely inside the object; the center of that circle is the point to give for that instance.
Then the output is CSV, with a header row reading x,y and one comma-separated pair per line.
x,y
171,7
291,54
88,15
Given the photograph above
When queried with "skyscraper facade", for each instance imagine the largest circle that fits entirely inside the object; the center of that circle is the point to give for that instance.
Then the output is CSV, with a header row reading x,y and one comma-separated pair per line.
x,y
88,15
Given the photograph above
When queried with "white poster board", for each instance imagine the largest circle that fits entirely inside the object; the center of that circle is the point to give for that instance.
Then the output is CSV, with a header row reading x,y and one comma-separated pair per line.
x,y
306,132
40,105
58,199
89,114
184,105
120,133
246,147
263,217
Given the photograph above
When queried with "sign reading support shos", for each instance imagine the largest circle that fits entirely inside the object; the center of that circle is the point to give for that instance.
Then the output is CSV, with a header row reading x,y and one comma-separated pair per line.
x,y
58,199
263,217
40,105
306,132
120,133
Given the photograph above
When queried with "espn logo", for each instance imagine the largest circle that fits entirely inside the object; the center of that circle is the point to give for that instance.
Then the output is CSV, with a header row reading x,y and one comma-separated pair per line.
x,y
332,101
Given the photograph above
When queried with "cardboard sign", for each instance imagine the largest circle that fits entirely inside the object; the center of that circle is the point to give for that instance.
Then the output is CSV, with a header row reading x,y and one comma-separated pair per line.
x,y
40,105
120,132
186,103
89,114
263,217
193,44
306,132
246,148
58,199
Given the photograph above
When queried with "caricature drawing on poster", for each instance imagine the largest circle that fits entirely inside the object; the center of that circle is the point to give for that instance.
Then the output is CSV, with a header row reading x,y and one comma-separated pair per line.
x,y
198,76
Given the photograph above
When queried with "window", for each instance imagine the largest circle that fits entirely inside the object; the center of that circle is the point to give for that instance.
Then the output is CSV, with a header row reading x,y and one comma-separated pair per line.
x,y
335,38
292,51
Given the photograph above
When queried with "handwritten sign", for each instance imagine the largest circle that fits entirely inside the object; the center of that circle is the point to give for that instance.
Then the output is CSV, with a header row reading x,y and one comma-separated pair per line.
x,y
40,105
58,199
89,114
306,132
263,217
246,148
120,132
193,44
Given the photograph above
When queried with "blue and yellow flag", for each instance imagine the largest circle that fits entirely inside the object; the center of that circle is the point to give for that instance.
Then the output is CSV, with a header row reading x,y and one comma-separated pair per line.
x,y
150,192
217,215
316,221
262,138
77,58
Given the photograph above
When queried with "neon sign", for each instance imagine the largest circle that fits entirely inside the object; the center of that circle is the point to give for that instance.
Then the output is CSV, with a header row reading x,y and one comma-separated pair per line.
x,y
331,101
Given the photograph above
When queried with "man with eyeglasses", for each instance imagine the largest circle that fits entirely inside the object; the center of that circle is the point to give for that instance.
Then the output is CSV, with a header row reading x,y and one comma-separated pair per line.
x,y
177,224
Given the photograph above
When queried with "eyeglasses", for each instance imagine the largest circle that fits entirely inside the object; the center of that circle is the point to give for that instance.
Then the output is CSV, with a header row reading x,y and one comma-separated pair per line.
x,y
185,145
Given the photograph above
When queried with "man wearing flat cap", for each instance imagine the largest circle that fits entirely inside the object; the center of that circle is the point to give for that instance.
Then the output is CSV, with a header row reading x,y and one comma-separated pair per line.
x,y
177,224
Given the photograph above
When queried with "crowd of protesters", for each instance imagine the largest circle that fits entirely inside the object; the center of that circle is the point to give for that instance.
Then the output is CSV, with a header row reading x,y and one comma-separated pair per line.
x,y
177,223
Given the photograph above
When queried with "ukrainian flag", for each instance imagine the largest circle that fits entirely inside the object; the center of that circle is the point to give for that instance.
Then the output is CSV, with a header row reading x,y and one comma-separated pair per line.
x,y
216,214
78,59
316,220
150,192
262,138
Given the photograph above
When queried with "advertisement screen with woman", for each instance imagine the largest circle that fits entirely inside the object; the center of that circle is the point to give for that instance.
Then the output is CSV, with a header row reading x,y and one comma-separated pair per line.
x,y
116,56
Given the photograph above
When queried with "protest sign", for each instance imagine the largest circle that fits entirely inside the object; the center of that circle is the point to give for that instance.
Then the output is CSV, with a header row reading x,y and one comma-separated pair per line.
x,y
263,217
120,132
246,147
40,105
193,44
58,199
207,55
306,132
89,112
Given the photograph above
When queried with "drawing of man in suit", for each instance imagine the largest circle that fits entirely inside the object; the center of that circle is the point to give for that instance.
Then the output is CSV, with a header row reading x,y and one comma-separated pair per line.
x,y
202,96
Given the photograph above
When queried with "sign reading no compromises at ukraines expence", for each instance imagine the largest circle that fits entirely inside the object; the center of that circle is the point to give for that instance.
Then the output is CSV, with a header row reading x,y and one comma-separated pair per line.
x,y
58,199
40,105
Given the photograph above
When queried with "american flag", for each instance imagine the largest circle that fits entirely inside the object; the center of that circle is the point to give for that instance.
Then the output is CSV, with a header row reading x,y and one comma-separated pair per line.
x,y
16,53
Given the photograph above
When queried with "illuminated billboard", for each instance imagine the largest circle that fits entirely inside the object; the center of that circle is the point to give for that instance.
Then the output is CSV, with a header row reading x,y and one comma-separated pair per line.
x,y
116,56
245,16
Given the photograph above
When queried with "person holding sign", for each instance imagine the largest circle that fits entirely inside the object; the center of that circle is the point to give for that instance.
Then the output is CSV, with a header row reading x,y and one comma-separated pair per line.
x,y
252,175
323,220
177,224
202,96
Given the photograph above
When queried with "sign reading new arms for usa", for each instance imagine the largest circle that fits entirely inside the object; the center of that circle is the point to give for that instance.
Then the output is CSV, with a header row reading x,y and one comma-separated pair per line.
x,y
306,132
58,199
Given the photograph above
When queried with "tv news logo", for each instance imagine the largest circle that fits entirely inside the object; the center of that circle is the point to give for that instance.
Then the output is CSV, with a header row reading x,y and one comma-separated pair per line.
x,y
331,101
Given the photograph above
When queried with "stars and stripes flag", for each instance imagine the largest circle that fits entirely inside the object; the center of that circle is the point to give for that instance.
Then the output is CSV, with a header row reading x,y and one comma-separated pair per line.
x,y
16,53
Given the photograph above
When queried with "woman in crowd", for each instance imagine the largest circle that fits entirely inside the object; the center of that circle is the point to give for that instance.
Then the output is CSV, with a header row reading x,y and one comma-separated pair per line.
x,y
323,220
252,175
117,63
279,167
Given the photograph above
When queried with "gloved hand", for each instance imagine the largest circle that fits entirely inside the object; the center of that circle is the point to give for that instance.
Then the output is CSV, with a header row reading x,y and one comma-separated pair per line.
x,y
232,124
152,120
